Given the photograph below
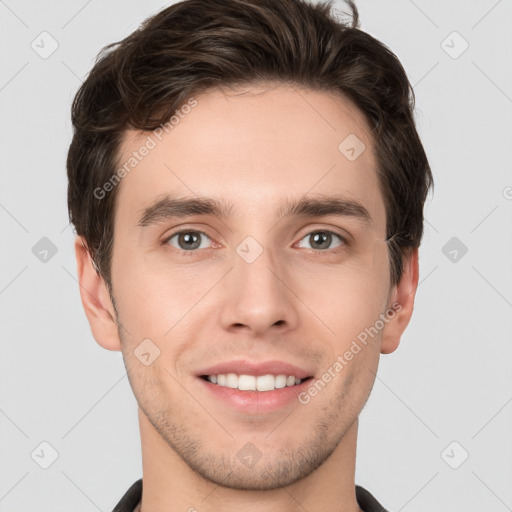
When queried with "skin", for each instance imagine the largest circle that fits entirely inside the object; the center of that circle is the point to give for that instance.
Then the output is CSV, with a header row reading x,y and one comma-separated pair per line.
x,y
255,148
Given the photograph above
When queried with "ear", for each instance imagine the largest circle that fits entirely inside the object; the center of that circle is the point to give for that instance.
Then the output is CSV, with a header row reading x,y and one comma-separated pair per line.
x,y
96,299
402,296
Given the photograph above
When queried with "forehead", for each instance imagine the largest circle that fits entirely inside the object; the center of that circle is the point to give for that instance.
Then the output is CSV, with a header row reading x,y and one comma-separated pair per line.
x,y
253,147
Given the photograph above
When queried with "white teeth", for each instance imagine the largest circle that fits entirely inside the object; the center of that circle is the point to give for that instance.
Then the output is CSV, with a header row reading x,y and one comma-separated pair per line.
x,y
265,382
231,380
280,381
251,383
247,382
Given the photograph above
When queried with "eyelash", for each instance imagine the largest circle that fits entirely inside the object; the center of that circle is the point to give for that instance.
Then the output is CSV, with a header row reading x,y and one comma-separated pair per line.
x,y
316,252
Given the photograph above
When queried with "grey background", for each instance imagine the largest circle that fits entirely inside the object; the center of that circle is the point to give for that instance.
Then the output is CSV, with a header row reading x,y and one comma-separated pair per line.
x,y
450,380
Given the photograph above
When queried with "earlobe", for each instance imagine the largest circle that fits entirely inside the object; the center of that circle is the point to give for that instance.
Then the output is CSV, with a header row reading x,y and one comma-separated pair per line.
x,y
402,302
96,299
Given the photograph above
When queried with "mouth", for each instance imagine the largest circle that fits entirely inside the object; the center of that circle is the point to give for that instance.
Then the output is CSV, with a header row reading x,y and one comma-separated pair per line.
x,y
260,383
255,387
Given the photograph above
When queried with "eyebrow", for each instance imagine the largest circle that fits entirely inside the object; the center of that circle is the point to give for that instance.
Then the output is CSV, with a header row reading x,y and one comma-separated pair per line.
x,y
171,207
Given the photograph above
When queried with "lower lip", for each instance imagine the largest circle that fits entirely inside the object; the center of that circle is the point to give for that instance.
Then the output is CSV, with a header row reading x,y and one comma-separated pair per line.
x,y
256,401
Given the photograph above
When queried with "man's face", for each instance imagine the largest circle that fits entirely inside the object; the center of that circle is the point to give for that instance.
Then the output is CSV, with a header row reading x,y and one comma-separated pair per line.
x,y
252,285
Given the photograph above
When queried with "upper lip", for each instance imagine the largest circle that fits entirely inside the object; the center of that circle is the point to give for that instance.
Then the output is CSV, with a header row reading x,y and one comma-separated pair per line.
x,y
244,367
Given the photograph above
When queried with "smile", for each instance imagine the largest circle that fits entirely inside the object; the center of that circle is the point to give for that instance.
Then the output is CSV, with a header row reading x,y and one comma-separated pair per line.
x,y
243,382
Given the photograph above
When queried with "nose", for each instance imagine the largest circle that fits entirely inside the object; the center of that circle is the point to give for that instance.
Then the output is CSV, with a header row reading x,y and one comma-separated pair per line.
x,y
258,296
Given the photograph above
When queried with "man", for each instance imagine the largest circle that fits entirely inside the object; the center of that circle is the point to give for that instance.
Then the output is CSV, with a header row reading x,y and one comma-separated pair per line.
x,y
247,187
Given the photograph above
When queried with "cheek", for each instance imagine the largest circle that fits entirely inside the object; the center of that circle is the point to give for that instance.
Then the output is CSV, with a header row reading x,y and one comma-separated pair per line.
x,y
348,298
147,299
152,304
346,310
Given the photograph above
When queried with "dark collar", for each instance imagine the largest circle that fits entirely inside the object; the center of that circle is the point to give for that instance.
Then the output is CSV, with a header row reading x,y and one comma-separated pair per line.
x,y
134,494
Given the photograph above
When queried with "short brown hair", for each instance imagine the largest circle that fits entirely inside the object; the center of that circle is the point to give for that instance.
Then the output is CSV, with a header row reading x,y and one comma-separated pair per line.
x,y
196,45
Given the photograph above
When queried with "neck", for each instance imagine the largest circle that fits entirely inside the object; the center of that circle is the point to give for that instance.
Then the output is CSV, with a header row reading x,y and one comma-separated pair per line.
x,y
170,485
